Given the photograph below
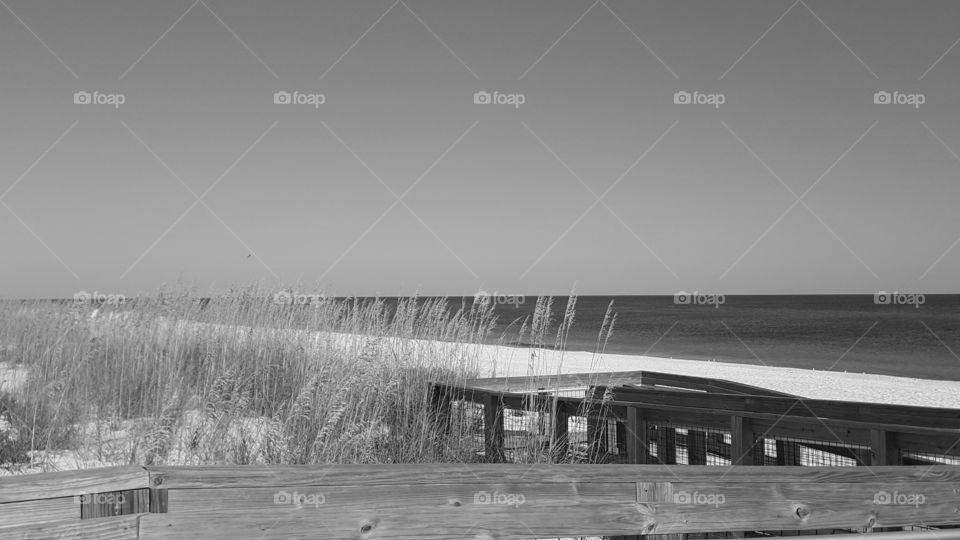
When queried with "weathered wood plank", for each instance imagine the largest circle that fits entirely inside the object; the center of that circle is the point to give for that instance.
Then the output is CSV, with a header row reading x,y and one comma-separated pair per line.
x,y
39,511
310,475
705,384
113,528
548,382
673,508
348,498
444,523
752,506
69,483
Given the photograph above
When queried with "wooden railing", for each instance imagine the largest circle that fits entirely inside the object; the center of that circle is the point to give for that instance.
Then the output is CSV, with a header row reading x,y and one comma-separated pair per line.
x,y
726,421
654,418
475,501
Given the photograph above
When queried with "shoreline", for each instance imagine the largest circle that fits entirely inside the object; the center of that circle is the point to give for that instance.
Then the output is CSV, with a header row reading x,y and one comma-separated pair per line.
x,y
496,360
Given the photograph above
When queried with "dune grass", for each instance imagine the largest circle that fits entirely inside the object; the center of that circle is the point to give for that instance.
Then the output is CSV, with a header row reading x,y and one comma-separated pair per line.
x,y
243,379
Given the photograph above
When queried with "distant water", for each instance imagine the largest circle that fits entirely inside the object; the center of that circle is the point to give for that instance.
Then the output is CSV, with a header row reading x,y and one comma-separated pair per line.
x,y
824,332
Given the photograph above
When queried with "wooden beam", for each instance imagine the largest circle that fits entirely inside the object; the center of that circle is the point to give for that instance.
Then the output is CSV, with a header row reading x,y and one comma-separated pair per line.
x,y
112,528
29,487
557,508
745,405
493,435
291,476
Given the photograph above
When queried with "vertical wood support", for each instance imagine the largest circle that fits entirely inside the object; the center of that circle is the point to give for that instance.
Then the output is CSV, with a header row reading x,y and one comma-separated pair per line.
x,y
596,424
559,438
656,492
882,448
666,445
742,451
696,447
621,439
493,428
638,435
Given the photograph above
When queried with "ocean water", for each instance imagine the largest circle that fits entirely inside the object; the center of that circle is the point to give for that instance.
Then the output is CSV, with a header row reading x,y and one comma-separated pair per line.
x,y
825,332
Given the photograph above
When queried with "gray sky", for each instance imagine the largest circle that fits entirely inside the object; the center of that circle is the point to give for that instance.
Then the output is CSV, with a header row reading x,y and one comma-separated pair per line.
x,y
693,196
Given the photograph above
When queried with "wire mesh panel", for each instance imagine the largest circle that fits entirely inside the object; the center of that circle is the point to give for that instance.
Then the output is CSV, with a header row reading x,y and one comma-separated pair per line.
x,y
811,453
911,457
687,444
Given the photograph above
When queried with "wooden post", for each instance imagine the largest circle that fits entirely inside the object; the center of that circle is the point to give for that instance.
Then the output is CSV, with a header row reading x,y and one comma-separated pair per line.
x,y
596,425
653,493
493,428
882,448
637,436
621,439
559,438
696,447
741,441
788,453
666,445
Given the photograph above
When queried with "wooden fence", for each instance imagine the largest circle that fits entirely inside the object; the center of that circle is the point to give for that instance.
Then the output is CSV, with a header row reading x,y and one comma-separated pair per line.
x,y
474,501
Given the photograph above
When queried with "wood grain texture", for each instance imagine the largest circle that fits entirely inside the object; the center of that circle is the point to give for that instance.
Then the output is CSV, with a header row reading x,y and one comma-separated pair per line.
x,y
601,509
39,511
339,475
29,487
113,528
